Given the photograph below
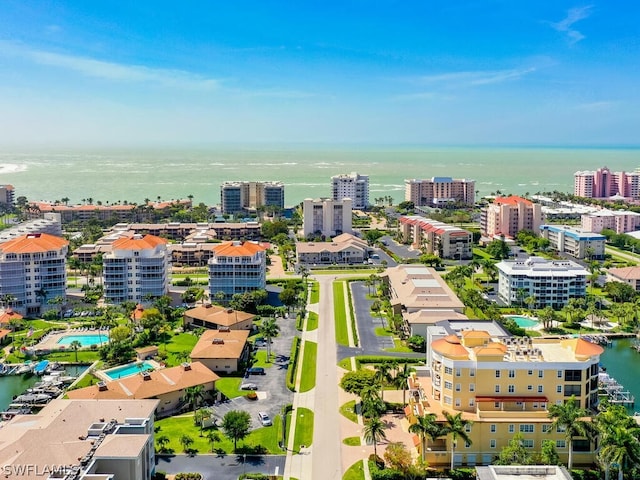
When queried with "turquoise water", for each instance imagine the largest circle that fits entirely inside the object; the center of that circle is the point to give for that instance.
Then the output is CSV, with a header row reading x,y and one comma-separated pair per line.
x,y
127,370
133,175
623,364
85,340
17,384
524,322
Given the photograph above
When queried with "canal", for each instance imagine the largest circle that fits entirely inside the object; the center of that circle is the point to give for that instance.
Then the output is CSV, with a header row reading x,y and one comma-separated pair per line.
x,y
623,363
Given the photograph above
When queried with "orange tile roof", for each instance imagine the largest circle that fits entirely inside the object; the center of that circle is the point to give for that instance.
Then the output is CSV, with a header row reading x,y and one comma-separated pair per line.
x,y
512,200
137,313
8,315
146,242
475,334
231,249
450,347
232,346
34,243
218,315
162,381
584,348
4,332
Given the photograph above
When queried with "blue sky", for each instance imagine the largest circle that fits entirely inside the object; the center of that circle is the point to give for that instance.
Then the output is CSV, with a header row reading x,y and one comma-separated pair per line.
x,y
392,72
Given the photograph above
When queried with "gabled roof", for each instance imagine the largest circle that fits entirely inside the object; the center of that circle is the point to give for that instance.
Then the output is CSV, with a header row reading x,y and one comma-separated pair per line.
x,y
34,243
8,315
216,344
625,273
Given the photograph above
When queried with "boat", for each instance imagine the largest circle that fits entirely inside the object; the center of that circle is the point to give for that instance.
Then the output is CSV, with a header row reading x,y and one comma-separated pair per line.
x,y
3,369
26,368
41,367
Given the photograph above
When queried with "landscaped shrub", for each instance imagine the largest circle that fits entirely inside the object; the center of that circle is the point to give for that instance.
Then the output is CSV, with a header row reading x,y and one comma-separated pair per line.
x,y
387,474
189,476
293,362
379,461
160,475
462,474
416,343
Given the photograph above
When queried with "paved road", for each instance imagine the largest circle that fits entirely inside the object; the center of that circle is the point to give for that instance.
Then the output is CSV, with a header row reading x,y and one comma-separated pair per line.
x,y
401,251
367,324
226,467
327,463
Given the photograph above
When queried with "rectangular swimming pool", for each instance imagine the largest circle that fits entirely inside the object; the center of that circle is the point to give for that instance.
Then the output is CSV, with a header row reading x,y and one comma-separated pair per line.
x,y
128,370
85,340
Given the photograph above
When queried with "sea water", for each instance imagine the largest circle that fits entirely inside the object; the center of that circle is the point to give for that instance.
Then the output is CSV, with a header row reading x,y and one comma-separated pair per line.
x,y
111,175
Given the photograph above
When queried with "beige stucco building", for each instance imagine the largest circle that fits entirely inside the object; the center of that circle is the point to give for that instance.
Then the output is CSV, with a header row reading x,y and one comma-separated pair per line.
x,y
222,350
216,317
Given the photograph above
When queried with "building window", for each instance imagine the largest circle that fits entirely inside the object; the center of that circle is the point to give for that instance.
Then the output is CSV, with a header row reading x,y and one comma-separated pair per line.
x,y
539,388
458,404
527,443
546,428
458,372
458,387
472,387
526,428
448,370
467,428
512,428
472,372
512,388
472,402
530,372
559,373
492,428
497,390
530,388
496,404
447,399
559,389
561,444
448,385
540,373
467,445
512,374
492,443
497,373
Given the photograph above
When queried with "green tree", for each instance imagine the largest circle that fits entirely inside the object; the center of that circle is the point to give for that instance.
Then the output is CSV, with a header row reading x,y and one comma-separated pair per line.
x,y
162,442
194,395
236,424
426,426
548,453
373,432
401,378
75,345
213,436
514,453
186,441
120,333
269,329
456,426
288,297
571,418
498,249
356,381
622,447
383,377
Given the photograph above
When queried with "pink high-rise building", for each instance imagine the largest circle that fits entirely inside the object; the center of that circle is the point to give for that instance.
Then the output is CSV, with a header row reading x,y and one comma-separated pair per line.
x,y
509,215
603,183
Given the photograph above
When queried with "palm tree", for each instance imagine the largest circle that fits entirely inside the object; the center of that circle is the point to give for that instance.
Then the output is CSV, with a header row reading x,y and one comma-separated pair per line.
x,y
193,395
374,432
383,376
570,417
621,446
400,380
370,402
457,427
163,441
426,426
186,442
75,345
269,329
213,436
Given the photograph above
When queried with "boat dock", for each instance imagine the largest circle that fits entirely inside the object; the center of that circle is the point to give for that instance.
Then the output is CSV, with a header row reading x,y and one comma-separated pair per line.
x,y
614,392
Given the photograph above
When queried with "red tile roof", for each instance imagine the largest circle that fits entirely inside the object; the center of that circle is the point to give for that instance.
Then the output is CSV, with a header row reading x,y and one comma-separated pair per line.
x,y
450,346
8,315
146,242
512,200
34,243
233,249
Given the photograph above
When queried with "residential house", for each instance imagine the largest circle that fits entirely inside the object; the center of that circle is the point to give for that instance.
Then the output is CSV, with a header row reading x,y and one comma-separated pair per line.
x,y
222,350
216,318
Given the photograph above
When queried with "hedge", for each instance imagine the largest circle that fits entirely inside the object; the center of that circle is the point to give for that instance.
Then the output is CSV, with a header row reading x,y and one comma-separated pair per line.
x,y
293,364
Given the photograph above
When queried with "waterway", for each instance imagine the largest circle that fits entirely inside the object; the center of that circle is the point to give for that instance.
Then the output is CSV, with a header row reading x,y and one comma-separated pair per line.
x,y
13,385
623,363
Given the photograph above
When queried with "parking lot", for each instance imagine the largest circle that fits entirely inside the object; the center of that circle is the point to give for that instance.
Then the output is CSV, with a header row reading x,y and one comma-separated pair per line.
x,y
272,389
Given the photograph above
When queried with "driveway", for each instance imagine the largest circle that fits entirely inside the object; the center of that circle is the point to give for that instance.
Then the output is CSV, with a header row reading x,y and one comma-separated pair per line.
x,y
226,467
401,251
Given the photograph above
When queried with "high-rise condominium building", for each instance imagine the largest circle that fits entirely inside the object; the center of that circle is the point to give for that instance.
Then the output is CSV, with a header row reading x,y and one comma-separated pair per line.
x,y
237,267
439,191
327,217
353,186
603,183
33,271
136,268
509,215
237,197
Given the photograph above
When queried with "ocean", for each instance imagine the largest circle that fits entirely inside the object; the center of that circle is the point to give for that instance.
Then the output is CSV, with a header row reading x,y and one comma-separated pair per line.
x,y
112,175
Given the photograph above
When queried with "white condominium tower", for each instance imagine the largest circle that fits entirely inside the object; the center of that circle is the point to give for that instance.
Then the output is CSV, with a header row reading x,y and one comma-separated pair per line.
x,y
353,186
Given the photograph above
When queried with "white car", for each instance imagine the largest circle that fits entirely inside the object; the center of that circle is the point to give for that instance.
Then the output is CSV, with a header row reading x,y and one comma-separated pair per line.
x,y
265,419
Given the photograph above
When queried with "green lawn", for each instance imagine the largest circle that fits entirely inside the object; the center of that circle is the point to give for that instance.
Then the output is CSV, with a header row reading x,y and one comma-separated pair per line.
x,y
304,428
352,441
315,293
308,379
345,363
383,332
230,387
342,336
87,381
178,343
260,357
312,321
348,410
354,472
399,347
84,356
175,427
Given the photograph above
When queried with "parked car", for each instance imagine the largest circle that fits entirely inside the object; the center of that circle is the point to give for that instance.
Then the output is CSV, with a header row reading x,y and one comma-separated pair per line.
x,y
264,419
256,371
248,386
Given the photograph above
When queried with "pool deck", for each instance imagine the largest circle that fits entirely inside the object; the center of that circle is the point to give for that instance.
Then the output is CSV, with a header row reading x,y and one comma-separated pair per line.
x,y
50,341
104,377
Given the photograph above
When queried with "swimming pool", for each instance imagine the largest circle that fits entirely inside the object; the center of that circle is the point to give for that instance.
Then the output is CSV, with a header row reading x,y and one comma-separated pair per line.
x,y
128,370
523,322
85,340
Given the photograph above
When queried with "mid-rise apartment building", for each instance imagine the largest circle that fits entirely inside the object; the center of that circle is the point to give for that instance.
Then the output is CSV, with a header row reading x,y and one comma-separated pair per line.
x,y
7,195
603,183
508,215
440,191
237,267
136,269
577,243
505,386
437,238
81,440
50,223
33,271
327,217
620,221
549,282
239,197
353,186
